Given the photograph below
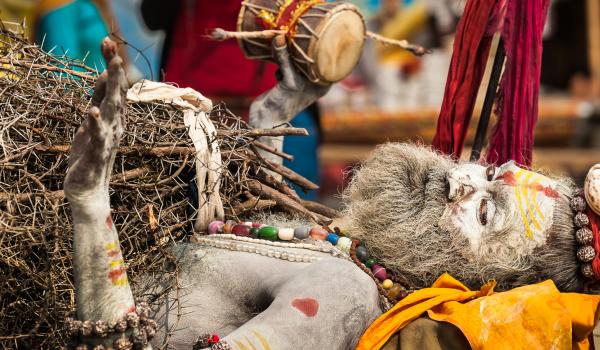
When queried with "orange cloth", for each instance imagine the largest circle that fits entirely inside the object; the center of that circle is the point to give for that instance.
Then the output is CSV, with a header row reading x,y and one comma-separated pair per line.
x,y
531,317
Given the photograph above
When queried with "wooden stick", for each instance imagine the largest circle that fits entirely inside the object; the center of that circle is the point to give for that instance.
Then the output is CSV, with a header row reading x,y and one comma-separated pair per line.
x,y
252,203
29,64
415,49
272,150
219,34
60,194
298,179
131,174
320,209
264,132
127,150
322,219
281,186
259,189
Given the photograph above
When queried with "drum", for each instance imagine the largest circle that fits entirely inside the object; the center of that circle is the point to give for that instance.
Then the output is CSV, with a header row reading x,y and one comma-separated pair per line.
x,y
325,39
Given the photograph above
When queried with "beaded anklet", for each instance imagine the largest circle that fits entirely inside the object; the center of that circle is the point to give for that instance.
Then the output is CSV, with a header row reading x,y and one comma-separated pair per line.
x,y
138,324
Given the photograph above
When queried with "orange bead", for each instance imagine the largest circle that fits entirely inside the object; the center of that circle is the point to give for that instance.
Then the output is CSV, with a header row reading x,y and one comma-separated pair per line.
x,y
318,233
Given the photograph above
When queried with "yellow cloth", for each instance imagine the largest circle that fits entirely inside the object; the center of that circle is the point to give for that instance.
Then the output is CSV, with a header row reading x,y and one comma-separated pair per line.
x,y
531,317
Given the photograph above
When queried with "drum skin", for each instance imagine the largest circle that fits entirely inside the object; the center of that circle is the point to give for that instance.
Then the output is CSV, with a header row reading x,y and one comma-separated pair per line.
x,y
326,44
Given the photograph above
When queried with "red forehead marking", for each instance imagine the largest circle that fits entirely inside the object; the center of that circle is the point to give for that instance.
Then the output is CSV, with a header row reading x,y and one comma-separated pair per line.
x,y
307,306
509,178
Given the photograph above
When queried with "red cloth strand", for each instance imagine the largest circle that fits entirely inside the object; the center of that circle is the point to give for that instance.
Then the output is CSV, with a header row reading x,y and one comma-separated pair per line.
x,y
595,227
518,109
521,24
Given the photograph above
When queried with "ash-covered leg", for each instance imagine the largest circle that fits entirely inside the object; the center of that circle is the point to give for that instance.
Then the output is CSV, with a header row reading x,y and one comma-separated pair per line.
x,y
284,101
101,285
328,305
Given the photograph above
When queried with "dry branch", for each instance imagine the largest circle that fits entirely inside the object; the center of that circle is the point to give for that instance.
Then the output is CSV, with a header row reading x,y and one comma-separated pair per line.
x,y
43,100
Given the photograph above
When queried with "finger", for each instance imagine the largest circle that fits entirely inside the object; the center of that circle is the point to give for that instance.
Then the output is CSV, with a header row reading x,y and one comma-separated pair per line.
x,y
99,89
115,84
282,56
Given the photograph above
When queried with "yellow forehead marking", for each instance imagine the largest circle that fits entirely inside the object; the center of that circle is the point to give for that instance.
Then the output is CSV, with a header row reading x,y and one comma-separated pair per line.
x,y
526,188
518,189
530,210
535,203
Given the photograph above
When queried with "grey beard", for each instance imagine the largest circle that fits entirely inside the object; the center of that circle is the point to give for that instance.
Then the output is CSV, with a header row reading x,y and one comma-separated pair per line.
x,y
395,202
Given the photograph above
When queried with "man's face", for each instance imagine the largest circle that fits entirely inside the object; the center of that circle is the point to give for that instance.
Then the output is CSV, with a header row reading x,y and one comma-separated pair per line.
x,y
504,205
422,215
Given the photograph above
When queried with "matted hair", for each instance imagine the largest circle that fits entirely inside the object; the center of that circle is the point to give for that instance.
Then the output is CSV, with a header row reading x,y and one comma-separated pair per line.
x,y
394,204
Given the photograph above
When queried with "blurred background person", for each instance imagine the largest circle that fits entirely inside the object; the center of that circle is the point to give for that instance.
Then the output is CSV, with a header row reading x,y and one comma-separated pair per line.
x,y
220,71
75,28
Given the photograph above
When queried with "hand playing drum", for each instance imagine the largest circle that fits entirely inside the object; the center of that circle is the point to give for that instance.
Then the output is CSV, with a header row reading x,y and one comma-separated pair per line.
x,y
292,94
325,39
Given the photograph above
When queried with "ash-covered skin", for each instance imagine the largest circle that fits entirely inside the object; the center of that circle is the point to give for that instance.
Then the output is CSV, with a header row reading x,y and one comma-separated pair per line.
x,y
415,213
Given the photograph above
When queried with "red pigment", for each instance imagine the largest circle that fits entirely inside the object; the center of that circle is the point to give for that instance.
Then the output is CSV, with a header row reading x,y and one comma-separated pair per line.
x,y
116,273
113,253
307,306
510,179
109,222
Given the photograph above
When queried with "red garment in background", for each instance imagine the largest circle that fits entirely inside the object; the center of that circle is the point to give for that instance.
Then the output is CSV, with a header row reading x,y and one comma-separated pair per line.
x,y
215,69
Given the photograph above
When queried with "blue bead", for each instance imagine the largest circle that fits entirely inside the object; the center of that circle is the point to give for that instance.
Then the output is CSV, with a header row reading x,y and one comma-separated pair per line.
x,y
333,238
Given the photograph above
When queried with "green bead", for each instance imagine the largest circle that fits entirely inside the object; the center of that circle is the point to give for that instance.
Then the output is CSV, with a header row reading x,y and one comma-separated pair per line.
x,y
254,232
371,261
269,233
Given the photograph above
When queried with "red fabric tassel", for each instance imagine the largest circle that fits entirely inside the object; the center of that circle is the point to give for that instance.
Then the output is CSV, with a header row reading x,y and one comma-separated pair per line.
x,y
518,105
470,52
522,23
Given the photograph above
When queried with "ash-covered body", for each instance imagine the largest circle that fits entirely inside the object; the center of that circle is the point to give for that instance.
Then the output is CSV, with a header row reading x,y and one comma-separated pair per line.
x,y
416,211
255,301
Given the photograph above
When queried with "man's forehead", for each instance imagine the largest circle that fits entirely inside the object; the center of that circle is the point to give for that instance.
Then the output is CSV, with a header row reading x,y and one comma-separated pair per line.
x,y
513,175
534,196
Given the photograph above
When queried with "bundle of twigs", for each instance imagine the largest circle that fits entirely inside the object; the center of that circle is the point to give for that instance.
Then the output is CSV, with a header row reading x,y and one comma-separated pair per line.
x,y
43,99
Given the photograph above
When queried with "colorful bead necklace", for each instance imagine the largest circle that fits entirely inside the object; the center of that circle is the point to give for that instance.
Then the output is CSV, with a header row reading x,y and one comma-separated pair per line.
x,y
388,285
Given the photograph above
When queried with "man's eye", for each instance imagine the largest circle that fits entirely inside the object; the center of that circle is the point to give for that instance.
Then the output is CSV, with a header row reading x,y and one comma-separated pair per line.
x,y
490,172
483,212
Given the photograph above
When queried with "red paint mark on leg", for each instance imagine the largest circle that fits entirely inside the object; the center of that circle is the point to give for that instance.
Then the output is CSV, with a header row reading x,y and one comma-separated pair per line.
x,y
109,222
116,273
307,306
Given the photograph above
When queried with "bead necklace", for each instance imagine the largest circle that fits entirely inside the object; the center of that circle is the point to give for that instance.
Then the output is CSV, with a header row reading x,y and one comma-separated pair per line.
x,y
251,234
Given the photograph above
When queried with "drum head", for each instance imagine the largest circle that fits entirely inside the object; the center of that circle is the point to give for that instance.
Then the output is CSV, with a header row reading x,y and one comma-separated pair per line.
x,y
340,44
